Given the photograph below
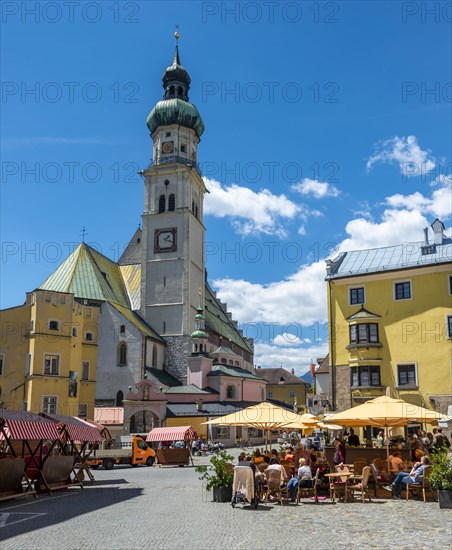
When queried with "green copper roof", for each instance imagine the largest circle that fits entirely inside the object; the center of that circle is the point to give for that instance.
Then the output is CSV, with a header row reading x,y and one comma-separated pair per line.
x,y
200,334
217,321
236,372
88,274
175,111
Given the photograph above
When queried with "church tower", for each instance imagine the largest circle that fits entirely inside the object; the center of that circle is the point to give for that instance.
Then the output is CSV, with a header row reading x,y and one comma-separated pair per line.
x,y
172,268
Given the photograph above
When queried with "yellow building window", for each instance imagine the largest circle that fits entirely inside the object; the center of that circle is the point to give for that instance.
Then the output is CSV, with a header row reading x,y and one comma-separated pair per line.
x,y
51,364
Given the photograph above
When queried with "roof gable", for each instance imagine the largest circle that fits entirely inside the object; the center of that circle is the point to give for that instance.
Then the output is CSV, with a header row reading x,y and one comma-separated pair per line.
x,y
274,375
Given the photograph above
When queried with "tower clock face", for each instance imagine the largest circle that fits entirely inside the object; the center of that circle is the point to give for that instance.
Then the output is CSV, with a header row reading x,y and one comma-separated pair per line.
x,y
168,147
165,240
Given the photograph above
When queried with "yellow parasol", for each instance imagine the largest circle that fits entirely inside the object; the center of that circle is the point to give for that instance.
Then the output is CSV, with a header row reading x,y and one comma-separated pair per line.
x,y
384,412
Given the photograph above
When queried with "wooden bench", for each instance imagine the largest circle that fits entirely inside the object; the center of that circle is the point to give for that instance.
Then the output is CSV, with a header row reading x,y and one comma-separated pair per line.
x,y
56,474
12,472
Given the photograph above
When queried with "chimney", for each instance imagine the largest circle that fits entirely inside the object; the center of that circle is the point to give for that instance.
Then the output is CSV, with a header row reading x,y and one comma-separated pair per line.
x,y
426,235
438,228
293,371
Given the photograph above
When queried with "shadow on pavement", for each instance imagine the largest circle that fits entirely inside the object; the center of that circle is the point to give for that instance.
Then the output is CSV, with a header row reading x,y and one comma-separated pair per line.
x,y
19,516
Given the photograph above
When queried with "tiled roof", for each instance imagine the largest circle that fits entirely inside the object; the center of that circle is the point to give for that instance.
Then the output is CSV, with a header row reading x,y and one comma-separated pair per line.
x,y
324,366
375,260
229,370
131,275
274,375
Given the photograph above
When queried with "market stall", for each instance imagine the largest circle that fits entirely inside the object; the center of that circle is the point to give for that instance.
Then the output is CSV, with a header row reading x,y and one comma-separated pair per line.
x,y
25,441
170,455
79,439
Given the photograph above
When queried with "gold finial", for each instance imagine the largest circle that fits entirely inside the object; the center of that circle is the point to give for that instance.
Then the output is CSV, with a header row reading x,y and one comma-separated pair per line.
x,y
176,34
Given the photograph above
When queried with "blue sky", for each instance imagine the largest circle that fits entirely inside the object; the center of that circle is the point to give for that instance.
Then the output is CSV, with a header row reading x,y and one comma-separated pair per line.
x,y
328,125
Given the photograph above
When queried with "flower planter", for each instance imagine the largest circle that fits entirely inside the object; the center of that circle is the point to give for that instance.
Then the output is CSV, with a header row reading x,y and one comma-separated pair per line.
x,y
445,499
222,494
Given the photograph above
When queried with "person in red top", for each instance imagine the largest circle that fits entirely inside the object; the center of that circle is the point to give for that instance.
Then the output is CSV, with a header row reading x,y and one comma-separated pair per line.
x,y
289,454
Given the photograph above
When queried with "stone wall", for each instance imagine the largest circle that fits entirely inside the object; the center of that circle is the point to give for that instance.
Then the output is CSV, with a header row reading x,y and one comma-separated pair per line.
x,y
178,348
343,392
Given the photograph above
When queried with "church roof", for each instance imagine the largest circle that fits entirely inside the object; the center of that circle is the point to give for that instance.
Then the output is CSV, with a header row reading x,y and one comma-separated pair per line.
x,y
131,275
138,322
223,350
229,370
175,111
218,321
279,375
163,377
191,389
89,274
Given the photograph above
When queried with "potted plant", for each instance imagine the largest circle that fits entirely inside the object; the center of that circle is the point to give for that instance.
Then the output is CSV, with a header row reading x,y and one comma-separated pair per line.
x,y
440,477
218,477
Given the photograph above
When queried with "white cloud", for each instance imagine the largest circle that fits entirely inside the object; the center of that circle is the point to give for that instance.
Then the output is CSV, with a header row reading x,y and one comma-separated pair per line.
x,y
299,359
301,297
405,152
253,213
289,339
317,189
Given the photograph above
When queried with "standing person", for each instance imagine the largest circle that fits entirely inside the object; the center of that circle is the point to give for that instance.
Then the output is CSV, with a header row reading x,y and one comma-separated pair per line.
x,y
339,453
380,439
440,441
353,439
415,476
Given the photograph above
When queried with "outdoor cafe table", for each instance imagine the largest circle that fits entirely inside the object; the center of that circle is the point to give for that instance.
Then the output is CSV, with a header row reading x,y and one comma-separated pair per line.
x,y
331,477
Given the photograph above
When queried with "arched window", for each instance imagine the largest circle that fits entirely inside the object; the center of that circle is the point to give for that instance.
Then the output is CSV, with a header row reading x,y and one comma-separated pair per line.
x,y
122,354
180,91
122,329
171,90
119,398
172,202
200,347
223,360
154,356
230,392
193,206
162,203
196,211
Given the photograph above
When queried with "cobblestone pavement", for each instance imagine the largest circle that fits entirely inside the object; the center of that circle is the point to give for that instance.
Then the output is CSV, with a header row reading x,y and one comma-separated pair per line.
x,y
167,508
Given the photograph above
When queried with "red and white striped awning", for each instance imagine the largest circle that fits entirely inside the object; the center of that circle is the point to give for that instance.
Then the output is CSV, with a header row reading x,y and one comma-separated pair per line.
x,y
21,425
75,430
174,433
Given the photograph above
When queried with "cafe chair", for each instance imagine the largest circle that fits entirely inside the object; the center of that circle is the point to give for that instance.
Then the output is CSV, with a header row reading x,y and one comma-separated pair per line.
x,y
362,487
337,485
422,486
309,490
377,481
273,486
358,466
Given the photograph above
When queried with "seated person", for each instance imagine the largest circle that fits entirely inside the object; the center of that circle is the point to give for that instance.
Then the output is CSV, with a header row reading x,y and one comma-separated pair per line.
x,y
289,454
397,464
274,454
302,480
244,460
274,465
258,458
415,476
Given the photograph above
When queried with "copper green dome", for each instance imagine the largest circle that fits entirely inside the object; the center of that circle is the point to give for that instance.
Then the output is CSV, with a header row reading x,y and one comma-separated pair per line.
x,y
175,111
200,334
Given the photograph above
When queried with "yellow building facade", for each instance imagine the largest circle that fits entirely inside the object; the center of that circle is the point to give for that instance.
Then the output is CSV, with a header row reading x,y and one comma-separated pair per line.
x,y
48,354
390,319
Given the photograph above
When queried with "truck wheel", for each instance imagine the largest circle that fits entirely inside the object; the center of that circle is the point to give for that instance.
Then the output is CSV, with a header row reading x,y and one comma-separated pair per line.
x,y
150,460
95,466
108,464
134,465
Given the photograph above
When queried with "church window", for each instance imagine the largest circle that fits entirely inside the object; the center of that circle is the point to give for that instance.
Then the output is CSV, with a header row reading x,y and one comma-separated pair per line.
x,y
164,281
162,203
193,206
119,398
168,134
89,336
200,347
196,211
171,90
122,329
231,362
180,91
230,392
223,360
122,354
183,148
154,356
172,202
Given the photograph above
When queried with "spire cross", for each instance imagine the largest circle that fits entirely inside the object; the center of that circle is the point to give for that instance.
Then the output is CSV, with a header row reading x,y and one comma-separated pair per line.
x,y
82,233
